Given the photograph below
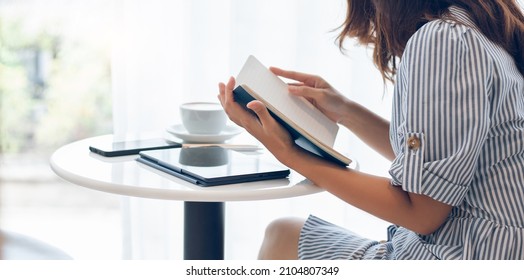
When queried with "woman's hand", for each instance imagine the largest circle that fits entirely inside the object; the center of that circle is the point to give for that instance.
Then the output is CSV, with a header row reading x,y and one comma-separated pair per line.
x,y
367,125
260,124
317,91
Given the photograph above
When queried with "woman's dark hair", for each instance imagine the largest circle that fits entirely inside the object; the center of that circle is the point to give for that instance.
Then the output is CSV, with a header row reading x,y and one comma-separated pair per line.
x,y
387,25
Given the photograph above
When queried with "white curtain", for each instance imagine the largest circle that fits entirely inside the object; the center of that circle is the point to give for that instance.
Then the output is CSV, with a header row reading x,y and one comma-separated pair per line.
x,y
169,52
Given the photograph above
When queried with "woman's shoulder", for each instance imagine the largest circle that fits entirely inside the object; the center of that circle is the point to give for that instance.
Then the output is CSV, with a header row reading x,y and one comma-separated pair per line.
x,y
454,28
446,42
445,35
440,30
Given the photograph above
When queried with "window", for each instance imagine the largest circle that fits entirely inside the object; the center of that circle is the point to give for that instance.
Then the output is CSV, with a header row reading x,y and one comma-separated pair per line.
x,y
55,87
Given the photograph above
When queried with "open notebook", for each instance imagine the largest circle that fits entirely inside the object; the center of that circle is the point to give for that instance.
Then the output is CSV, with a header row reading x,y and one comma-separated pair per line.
x,y
213,165
309,127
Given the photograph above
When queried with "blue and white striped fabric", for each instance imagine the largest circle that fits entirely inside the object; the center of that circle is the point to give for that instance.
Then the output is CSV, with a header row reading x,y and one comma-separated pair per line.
x,y
458,134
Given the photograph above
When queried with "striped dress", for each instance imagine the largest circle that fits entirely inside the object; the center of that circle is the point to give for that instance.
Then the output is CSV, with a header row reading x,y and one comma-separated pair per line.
x,y
457,131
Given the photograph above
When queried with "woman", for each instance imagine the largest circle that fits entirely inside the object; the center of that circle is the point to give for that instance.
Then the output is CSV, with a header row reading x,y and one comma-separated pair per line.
x,y
456,136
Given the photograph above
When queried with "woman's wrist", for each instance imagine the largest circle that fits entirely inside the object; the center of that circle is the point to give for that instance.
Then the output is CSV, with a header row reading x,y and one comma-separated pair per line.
x,y
347,113
291,157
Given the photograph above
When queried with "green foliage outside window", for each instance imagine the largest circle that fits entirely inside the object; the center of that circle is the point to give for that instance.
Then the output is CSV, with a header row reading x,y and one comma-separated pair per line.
x,y
55,84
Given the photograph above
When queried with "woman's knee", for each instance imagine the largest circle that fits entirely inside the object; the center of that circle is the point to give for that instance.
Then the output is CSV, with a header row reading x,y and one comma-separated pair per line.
x,y
281,239
285,228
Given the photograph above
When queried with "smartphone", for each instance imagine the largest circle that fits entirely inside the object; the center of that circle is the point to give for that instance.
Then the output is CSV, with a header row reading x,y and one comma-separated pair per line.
x,y
125,148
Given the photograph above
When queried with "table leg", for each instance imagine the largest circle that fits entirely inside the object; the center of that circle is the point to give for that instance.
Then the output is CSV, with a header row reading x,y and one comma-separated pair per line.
x,y
204,230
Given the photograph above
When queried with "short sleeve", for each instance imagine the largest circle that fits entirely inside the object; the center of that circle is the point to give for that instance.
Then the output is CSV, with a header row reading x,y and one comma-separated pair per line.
x,y
443,86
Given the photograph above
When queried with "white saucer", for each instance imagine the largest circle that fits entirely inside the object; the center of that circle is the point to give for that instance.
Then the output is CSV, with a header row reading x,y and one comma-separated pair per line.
x,y
179,131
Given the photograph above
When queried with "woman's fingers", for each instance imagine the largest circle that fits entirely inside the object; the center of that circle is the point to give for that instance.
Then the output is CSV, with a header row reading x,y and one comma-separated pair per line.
x,y
307,79
221,93
238,114
234,111
229,90
261,111
304,91
226,91
256,119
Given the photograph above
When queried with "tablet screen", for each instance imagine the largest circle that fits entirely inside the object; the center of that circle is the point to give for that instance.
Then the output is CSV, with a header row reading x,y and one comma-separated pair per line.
x,y
214,163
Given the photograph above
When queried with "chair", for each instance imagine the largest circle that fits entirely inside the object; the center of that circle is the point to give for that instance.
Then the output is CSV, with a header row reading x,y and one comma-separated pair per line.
x,y
15,246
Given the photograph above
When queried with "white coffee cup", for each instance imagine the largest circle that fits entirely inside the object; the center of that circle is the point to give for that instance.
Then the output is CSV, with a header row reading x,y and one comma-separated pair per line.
x,y
203,117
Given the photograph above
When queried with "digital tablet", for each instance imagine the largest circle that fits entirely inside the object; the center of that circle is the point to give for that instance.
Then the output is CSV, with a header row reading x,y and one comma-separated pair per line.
x,y
213,165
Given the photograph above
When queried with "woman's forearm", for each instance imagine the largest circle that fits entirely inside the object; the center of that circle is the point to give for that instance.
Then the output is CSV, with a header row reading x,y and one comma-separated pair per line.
x,y
369,127
372,194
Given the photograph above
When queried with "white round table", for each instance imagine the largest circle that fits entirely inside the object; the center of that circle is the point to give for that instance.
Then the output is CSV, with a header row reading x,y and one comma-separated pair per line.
x,y
204,206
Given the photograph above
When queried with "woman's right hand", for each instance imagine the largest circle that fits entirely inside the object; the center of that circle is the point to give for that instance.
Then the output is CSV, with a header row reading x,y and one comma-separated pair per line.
x,y
317,91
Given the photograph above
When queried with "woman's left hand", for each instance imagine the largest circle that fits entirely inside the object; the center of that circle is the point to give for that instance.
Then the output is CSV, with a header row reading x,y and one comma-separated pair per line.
x,y
260,124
